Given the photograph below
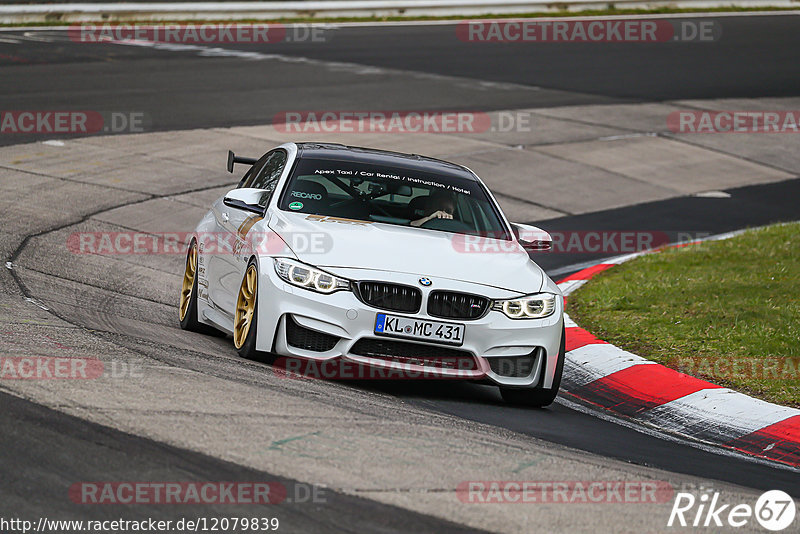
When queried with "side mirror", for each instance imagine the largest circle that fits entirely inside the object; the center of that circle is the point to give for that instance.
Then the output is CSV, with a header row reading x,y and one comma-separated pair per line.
x,y
531,238
248,199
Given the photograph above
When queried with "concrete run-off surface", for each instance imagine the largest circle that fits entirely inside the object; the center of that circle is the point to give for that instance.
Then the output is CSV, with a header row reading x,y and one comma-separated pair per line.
x,y
194,392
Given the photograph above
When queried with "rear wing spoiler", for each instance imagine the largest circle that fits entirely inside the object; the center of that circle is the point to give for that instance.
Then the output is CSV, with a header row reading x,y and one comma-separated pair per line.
x,y
233,158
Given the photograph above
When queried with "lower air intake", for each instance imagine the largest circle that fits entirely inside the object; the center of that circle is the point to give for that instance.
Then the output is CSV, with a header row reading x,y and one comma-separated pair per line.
x,y
514,366
301,337
415,354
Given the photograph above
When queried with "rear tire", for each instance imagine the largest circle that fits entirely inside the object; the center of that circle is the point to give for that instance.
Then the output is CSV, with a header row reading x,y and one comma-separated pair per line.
x,y
539,397
187,308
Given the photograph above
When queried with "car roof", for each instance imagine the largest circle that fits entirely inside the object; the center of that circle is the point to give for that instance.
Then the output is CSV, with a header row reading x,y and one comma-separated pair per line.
x,y
334,151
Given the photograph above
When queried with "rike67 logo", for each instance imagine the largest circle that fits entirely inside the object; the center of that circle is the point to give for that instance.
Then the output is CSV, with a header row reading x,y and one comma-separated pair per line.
x,y
774,510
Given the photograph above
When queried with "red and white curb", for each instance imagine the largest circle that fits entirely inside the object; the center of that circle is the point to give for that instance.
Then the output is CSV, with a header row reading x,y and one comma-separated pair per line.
x,y
635,388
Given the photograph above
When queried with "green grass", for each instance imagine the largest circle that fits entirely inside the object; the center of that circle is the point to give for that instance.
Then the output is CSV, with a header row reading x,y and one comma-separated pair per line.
x,y
726,311
54,21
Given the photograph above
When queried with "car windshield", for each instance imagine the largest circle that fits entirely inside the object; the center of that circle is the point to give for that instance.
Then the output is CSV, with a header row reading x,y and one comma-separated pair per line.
x,y
393,195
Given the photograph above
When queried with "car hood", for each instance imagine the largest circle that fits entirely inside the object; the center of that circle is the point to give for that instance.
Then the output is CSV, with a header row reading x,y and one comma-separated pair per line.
x,y
331,242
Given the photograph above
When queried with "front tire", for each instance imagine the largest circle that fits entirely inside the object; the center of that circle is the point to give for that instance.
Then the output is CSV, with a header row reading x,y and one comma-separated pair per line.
x,y
245,320
539,397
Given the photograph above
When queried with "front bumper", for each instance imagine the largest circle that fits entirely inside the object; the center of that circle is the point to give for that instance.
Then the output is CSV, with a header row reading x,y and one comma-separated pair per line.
x,y
492,341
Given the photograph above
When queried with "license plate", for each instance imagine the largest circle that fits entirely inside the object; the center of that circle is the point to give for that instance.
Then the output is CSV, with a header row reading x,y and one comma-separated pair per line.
x,y
392,325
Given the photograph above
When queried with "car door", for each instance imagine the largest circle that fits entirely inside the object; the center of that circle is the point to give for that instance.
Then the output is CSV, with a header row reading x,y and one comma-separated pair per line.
x,y
220,247
235,224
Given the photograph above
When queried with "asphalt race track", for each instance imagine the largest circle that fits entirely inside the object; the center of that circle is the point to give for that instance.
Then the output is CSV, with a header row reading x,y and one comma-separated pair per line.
x,y
123,310
96,452
755,57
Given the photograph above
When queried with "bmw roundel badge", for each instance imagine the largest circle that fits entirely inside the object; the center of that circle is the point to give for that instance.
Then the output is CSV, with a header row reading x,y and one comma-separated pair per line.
x,y
425,281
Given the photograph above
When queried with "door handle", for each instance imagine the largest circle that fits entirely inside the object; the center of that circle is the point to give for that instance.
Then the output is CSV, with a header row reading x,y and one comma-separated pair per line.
x,y
225,217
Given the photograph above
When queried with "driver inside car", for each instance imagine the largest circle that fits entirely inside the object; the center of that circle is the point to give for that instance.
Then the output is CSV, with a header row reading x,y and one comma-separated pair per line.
x,y
439,205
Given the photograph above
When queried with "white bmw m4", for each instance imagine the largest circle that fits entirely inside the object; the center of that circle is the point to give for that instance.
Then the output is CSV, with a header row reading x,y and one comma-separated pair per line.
x,y
381,260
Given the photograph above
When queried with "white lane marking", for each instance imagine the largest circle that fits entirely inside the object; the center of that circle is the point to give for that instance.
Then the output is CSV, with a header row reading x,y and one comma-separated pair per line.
x,y
8,41
29,36
53,142
598,360
373,24
341,66
727,413
627,136
713,194
37,303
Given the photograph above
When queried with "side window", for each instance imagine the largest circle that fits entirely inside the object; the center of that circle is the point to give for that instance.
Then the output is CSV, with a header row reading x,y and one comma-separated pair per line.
x,y
247,179
264,173
267,177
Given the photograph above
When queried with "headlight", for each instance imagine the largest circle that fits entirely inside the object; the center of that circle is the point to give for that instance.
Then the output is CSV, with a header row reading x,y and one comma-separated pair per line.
x,y
530,307
301,275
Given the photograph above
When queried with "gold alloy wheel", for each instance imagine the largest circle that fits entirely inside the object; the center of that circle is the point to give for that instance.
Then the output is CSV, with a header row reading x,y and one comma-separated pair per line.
x,y
245,306
188,280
